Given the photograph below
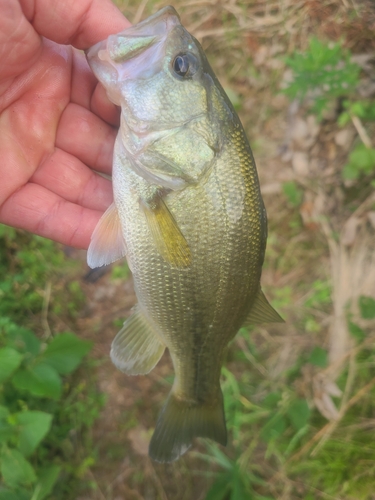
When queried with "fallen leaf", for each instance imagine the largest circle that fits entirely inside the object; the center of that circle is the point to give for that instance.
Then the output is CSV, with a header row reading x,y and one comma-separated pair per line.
x,y
139,439
343,138
349,231
371,218
300,163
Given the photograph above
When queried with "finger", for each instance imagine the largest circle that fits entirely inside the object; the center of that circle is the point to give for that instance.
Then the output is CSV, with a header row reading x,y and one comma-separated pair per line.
x,y
81,23
41,212
101,106
19,43
83,81
69,178
84,135
86,91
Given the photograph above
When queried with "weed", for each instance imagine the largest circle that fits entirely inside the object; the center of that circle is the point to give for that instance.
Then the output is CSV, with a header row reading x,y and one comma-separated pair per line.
x,y
361,162
293,193
27,264
41,405
323,73
120,271
367,307
29,371
318,357
363,109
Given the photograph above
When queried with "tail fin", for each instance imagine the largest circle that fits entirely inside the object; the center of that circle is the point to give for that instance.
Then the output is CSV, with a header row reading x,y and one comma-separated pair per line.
x,y
180,421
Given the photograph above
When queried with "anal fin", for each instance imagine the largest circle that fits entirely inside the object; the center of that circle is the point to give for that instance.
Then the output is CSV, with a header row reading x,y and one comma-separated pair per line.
x,y
107,241
136,348
262,312
167,236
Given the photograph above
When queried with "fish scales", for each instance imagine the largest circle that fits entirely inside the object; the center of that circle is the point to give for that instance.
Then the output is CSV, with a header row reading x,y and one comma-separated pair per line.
x,y
175,298
189,215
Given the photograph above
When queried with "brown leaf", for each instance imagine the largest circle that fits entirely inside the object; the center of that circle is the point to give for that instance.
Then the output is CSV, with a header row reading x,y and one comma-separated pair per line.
x,y
139,439
300,162
371,218
350,231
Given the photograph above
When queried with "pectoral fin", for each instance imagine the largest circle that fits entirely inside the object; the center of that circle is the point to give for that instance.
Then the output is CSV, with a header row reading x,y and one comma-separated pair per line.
x,y
166,234
262,312
107,241
136,348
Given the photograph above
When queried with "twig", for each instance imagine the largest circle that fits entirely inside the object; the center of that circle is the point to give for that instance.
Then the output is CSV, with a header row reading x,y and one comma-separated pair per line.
x,y
201,21
140,10
361,131
360,394
157,482
101,494
348,387
327,428
241,342
46,299
330,426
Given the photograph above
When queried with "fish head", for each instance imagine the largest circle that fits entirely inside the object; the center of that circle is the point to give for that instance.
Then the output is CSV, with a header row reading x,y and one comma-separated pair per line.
x,y
156,71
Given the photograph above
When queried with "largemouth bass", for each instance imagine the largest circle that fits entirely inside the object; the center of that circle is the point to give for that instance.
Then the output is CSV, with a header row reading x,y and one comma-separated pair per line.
x,y
188,215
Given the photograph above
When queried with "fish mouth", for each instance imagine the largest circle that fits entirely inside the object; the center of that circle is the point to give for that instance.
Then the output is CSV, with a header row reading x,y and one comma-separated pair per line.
x,y
135,40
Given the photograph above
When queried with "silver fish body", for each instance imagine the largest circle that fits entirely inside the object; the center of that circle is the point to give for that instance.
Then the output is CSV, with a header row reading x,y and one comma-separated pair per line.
x,y
189,216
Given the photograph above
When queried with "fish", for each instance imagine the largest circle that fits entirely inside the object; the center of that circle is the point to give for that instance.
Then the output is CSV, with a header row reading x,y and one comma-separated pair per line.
x,y
189,217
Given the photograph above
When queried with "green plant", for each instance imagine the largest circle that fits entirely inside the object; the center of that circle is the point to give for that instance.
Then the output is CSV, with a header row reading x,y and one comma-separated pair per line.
x,y
279,422
42,401
361,108
282,424
361,162
323,72
27,264
29,370
362,157
293,193
366,307
233,483
120,271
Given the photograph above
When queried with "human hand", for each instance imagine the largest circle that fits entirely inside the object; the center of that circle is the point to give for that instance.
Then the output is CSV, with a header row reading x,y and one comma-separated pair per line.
x,y
56,124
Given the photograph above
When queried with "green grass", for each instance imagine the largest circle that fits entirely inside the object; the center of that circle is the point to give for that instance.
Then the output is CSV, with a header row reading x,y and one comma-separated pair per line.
x,y
45,396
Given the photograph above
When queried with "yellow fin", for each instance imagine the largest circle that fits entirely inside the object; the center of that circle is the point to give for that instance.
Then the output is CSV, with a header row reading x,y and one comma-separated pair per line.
x,y
180,421
262,312
167,236
136,348
107,241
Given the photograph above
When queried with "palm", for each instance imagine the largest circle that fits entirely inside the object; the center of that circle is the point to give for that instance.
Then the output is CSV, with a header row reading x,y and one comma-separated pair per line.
x,y
56,126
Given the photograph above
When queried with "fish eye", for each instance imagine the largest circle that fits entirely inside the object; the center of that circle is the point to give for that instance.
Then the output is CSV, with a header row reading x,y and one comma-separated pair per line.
x,y
185,65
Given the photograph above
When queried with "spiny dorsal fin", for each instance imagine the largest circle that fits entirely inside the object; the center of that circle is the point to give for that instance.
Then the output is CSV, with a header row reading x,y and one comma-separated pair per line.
x,y
167,236
262,312
136,348
107,241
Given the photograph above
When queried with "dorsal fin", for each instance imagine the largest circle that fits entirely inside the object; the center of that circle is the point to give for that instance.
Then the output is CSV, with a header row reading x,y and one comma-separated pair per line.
x,y
107,241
